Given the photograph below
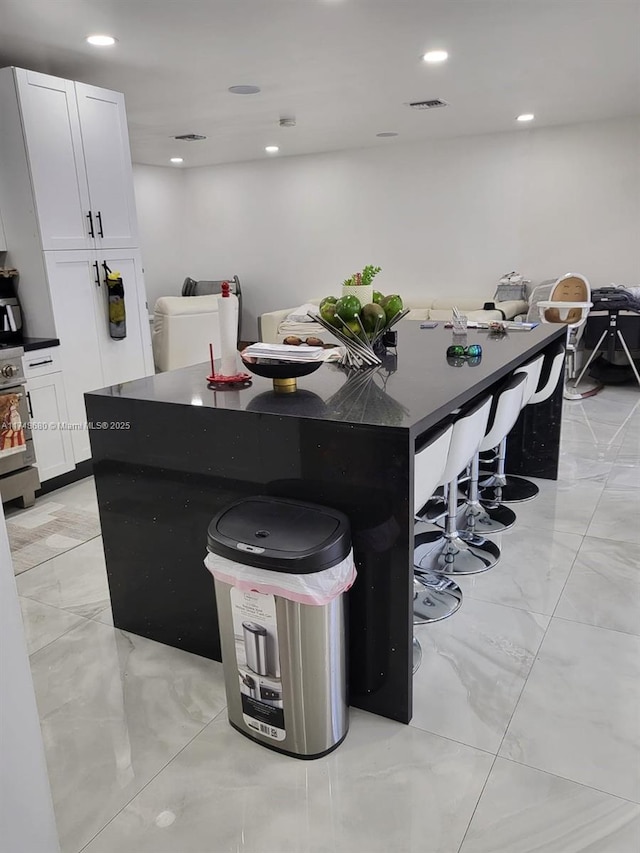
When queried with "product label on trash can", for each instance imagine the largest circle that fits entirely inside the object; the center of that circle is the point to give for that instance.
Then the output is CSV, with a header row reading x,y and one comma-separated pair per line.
x,y
258,658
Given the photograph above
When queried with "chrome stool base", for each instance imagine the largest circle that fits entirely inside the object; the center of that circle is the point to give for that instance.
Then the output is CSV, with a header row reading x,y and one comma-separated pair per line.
x,y
435,597
515,490
454,555
484,519
417,656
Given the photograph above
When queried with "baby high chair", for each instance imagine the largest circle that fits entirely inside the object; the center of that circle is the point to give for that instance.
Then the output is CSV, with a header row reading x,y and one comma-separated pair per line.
x,y
569,303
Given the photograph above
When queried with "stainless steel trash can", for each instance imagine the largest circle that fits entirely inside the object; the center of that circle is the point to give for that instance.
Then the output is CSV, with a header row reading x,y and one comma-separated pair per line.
x,y
280,569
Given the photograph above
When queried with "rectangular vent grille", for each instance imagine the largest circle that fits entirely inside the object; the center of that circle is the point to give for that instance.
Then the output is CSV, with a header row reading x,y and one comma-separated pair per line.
x,y
428,105
190,137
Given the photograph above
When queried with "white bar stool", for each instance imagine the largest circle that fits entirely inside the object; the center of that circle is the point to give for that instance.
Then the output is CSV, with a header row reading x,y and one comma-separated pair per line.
x,y
451,552
498,487
512,489
435,596
474,517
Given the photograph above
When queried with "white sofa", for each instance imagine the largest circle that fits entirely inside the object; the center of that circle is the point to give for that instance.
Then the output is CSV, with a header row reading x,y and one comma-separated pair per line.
x,y
183,328
274,326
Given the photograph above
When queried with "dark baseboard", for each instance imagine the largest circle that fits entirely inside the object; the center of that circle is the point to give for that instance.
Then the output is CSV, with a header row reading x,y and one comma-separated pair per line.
x,y
82,470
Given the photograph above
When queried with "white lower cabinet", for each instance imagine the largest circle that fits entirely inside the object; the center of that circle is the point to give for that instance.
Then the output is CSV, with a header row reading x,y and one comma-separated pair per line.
x,y
49,425
90,358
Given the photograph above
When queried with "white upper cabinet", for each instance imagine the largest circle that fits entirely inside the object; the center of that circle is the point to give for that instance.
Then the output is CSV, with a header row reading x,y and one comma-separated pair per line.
x,y
80,163
54,151
105,142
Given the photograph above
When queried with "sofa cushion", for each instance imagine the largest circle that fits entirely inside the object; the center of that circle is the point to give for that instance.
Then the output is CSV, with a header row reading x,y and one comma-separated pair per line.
x,y
477,316
179,305
301,313
462,303
419,314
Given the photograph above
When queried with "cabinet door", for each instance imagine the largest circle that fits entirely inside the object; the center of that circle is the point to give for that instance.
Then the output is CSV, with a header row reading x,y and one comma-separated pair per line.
x,y
49,418
105,142
72,282
129,358
54,150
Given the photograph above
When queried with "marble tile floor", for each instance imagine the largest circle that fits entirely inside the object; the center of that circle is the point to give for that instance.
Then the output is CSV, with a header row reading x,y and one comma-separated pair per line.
x,y
526,729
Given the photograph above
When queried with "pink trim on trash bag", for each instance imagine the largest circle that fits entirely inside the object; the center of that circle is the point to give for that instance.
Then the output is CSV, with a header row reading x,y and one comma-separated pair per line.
x,y
270,589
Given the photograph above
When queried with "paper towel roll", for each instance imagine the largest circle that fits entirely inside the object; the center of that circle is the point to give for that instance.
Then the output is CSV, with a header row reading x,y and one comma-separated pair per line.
x,y
228,317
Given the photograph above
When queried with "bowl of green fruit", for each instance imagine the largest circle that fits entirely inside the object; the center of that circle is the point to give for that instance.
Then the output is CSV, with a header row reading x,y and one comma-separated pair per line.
x,y
361,326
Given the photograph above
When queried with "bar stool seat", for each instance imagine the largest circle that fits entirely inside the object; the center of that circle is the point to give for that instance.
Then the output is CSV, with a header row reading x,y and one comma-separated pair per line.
x,y
453,552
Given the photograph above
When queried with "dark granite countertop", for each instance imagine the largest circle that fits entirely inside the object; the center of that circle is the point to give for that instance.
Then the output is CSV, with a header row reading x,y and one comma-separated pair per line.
x,y
413,390
31,344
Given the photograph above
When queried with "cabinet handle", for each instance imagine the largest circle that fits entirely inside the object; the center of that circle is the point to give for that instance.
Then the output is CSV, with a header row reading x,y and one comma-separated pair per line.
x,y
97,269
40,363
29,405
90,218
99,218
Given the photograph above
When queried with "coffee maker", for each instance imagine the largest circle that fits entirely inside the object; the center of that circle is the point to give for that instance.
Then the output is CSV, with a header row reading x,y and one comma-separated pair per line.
x,y
10,314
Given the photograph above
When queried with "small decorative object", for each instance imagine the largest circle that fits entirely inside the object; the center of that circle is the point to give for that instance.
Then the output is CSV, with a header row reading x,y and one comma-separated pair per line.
x,y
458,322
458,355
361,318
363,348
497,328
360,285
472,351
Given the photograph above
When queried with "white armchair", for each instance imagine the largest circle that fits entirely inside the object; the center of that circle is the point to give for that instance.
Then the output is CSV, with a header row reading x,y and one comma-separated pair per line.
x,y
183,328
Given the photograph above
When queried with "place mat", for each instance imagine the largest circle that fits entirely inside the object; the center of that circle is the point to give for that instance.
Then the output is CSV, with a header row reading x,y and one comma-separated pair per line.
x,y
47,531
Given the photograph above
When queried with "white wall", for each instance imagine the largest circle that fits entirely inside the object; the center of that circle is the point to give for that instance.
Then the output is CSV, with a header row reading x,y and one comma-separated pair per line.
x,y
26,810
159,201
442,216
581,202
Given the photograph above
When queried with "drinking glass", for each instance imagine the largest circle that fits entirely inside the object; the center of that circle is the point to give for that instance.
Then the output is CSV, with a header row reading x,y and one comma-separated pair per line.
x,y
459,324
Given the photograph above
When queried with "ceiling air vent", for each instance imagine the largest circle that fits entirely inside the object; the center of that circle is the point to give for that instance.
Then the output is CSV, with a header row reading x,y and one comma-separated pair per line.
x,y
190,137
427,105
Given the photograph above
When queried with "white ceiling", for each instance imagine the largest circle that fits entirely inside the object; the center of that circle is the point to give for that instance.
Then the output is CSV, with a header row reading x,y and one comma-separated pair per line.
x,y
343,68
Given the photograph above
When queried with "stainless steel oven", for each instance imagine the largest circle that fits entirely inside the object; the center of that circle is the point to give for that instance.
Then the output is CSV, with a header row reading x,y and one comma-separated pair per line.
x,y
18,474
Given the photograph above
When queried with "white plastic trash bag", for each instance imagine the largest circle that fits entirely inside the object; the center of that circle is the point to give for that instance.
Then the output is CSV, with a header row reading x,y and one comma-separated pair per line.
x,y
315,588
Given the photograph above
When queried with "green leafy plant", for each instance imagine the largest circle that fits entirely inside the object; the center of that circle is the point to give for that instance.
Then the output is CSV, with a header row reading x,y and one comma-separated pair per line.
x,y
365,277
369,273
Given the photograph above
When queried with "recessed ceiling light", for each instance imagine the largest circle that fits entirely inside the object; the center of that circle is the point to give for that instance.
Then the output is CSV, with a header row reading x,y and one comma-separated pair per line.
x,y
272,149
387,134
101,41
244,90
526,117
177,160
435,56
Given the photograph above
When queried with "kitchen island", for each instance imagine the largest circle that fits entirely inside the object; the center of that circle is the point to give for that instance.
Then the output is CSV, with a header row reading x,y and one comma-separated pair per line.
x,y
169,452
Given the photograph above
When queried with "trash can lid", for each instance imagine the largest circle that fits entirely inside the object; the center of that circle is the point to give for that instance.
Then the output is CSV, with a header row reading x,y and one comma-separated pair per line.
x,y
280,535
